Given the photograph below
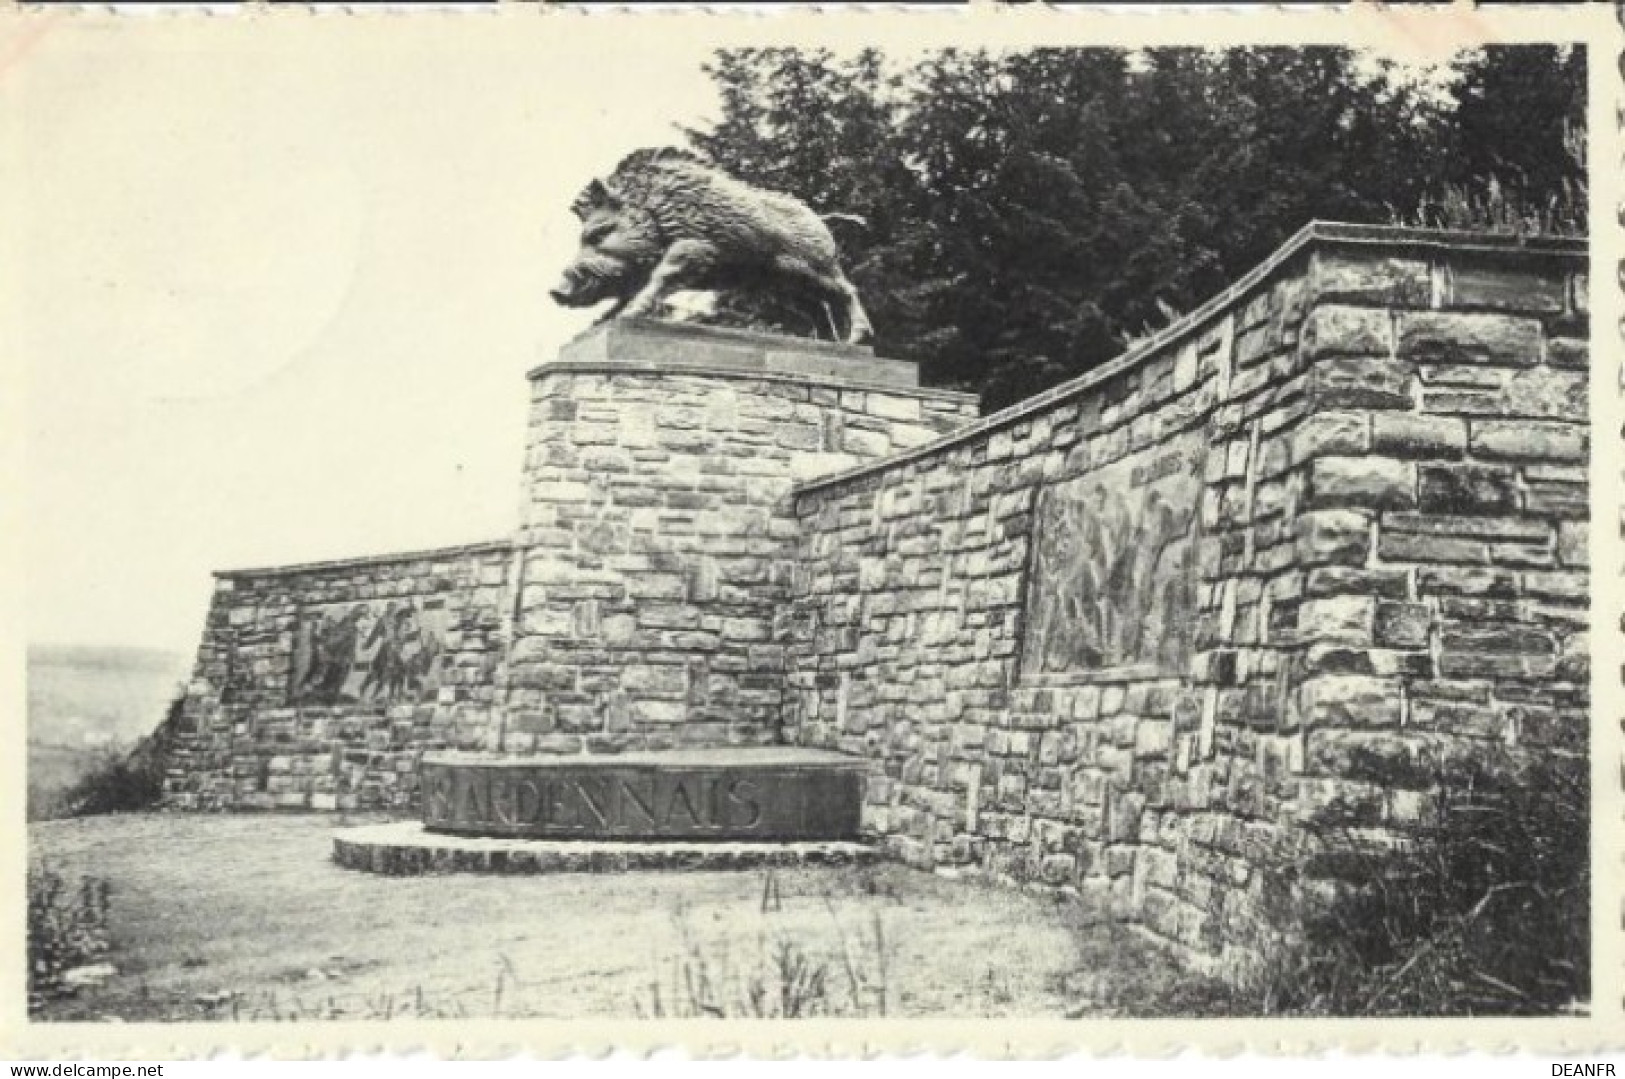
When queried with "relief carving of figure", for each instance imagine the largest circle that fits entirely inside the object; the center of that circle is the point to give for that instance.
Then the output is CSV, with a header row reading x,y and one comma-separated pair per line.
x,y
1115,580
366,653
324,655
383,673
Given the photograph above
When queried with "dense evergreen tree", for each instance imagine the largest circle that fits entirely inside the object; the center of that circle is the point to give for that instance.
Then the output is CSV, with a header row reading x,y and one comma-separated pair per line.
x,y
1026,215
1516,110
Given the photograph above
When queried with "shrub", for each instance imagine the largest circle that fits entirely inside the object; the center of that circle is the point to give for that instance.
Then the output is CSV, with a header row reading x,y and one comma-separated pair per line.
x,y
121,782
67,928
1486,911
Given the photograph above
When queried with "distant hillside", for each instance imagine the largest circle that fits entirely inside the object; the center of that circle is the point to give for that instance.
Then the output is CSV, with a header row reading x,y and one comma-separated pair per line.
x,y
83,697
88,704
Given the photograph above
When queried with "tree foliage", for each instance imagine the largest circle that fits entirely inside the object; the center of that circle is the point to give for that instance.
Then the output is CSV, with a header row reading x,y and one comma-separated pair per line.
x,y
1028,214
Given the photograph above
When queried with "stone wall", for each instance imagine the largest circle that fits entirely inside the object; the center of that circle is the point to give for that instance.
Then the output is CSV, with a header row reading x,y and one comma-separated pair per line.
x,y
1141,638
318,686
657,533
634,609
1145,635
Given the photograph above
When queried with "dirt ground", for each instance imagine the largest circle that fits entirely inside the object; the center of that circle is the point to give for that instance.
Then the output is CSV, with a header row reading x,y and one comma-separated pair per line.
x,y
245,917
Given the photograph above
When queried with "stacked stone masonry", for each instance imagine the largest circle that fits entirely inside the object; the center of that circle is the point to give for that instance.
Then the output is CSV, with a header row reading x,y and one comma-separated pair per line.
x,y
1382,437
634,610
319,686
1281,565
658,533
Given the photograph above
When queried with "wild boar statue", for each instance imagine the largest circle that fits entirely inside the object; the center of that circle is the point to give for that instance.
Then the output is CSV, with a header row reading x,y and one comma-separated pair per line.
x,y
664,220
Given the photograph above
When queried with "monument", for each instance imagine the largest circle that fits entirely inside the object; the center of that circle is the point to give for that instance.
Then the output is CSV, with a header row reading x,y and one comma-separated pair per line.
x,y
769,601
639,688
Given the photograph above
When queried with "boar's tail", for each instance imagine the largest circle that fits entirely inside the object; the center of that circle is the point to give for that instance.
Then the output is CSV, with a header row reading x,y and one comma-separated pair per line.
x,y
845,219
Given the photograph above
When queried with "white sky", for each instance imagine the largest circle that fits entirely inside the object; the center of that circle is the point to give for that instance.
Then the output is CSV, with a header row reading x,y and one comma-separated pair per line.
x,y
279,307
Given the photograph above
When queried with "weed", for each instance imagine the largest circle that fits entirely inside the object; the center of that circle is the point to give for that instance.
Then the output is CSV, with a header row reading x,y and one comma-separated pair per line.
x,y
783,978
67,928
1504,205
281,1007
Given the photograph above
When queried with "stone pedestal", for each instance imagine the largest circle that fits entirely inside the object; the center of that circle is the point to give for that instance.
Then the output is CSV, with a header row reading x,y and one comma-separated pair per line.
x,y
768,793
656,540
406,848
651,583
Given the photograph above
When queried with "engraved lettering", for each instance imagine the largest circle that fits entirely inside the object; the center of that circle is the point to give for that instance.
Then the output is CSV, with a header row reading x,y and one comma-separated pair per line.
x,y
440,797
742,793
556,807
607,799
644,801
680,797
503,801
713,802
596,806
473,809
527,809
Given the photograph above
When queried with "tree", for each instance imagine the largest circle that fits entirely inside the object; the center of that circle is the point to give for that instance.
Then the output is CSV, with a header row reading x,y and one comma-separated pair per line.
x,y
1028,214
1513,107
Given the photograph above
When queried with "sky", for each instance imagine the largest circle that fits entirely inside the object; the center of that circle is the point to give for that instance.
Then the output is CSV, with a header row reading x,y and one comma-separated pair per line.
x,y
279,305
278,284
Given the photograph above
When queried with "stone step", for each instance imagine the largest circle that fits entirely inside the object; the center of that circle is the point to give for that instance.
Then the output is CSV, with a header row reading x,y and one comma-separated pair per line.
x,y
742,793
407,848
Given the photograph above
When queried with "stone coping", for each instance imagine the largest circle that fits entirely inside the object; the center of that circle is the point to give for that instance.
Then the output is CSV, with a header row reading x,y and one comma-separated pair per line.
x,y
406,848
704,758
696,331
485,547
1315,234
651,345
620,367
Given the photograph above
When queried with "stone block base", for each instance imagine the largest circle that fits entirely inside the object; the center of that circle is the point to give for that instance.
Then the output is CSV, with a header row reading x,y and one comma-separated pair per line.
x,y
406,848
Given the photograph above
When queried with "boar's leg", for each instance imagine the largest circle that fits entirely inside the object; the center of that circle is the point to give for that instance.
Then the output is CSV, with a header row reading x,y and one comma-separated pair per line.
x,y
832,287
859,331
829,320
614,309
839,295
684,262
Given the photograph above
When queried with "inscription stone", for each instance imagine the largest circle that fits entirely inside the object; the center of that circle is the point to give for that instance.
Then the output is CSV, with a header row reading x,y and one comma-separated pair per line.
x,y
733,794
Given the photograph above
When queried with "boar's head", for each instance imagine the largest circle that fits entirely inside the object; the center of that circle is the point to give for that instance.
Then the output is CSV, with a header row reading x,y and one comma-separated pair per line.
x,y
620,245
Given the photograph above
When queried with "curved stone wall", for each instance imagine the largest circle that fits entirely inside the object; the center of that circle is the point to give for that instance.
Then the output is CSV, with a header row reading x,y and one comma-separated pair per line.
x,y
1139,637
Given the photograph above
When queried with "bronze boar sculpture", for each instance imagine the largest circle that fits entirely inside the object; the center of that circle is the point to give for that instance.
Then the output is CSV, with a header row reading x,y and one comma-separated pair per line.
x,y
664,220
